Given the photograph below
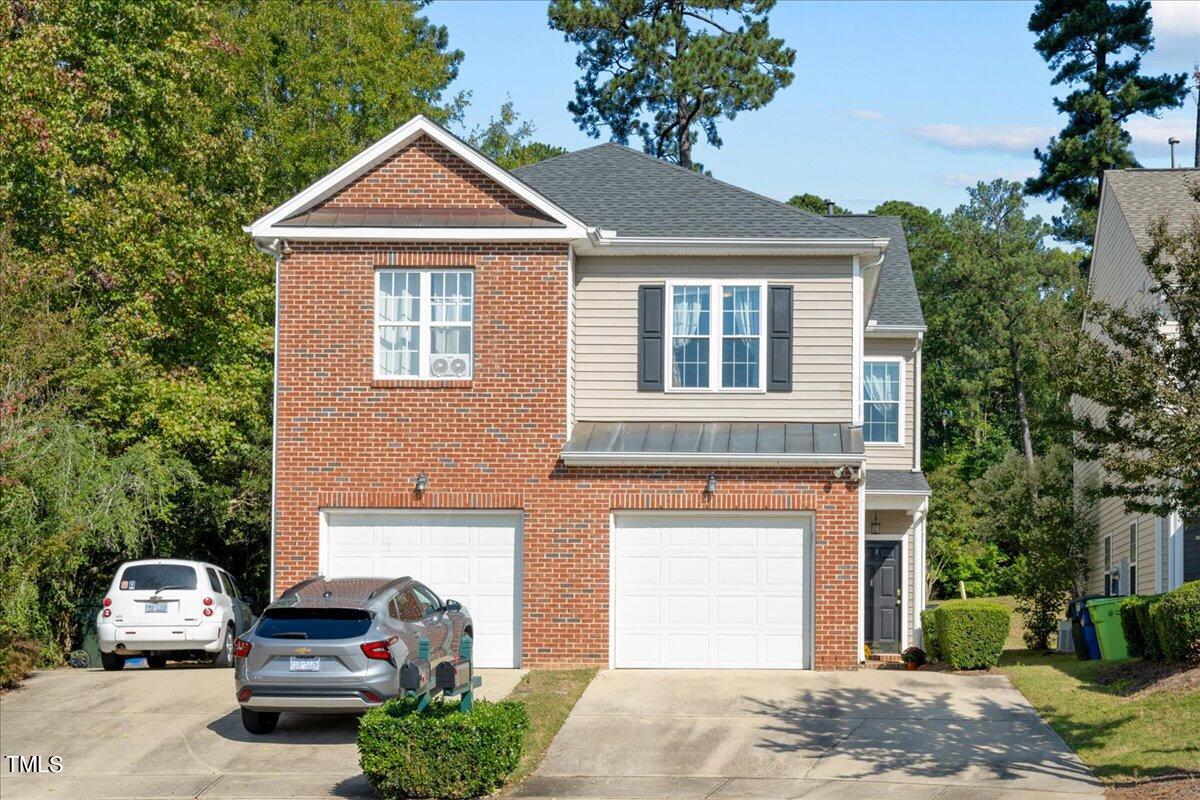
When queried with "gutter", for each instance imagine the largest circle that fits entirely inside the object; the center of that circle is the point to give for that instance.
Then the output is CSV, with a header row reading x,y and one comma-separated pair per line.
x,y
661,459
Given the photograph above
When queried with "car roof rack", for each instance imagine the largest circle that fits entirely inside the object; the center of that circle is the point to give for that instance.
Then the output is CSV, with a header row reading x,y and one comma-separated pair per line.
x,y
296,588
388,586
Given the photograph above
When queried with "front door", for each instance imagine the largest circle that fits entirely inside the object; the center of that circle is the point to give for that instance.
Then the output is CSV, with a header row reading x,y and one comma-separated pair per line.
x,y
883,596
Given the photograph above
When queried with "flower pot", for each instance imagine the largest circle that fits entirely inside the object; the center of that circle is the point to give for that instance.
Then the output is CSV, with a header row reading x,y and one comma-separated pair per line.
x,y
911,665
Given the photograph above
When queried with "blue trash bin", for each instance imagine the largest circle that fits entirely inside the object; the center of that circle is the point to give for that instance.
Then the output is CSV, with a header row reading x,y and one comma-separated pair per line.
x,y
1089,635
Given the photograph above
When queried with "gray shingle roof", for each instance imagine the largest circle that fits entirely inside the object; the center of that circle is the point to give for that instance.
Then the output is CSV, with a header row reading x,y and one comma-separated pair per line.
x,y
1147,194
445,217
724,438
896,480
896,300
618,188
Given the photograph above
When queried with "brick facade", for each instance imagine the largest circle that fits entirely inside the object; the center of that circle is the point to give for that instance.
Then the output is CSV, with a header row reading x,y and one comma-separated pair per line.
x,y
345,440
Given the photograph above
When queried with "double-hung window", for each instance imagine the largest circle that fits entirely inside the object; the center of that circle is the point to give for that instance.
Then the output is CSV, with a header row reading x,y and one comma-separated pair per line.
x,y
423,323
882,393
1133,559
1110,583
716,336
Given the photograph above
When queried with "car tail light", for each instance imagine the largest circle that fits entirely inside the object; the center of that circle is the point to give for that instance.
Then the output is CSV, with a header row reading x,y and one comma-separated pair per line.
x,y
106,612
371,697
107,602
208,601
379,650
241,648
244,694
207,611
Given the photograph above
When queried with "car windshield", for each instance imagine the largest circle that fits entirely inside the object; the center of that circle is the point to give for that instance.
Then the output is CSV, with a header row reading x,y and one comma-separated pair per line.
x,y
158,576
313,623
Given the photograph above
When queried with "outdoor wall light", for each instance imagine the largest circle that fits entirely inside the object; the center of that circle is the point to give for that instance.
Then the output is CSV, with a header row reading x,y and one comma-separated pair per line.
x,y
875,523
422,483
711,486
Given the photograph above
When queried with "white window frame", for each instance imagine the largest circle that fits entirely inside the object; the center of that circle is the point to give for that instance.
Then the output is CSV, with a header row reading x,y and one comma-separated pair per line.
x,y
424,324
902,388
715,335
1133,559
1106,548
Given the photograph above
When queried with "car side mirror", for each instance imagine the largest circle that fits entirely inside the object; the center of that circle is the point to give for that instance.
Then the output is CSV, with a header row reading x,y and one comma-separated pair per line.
x,y
453,605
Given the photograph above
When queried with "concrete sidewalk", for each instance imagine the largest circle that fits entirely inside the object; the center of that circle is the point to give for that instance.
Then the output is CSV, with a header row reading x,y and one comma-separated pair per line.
x,y
175,733
691,735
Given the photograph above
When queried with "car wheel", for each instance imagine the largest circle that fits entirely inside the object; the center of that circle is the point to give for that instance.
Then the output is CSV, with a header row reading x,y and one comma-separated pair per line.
x,y
224,656
156,662
259,723
112,661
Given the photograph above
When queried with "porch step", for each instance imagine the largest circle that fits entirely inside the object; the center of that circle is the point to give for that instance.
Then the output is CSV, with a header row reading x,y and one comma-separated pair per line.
x,y
886,658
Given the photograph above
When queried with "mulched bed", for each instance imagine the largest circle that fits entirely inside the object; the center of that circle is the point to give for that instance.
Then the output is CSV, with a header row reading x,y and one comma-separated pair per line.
x,y
1142,678
1171,787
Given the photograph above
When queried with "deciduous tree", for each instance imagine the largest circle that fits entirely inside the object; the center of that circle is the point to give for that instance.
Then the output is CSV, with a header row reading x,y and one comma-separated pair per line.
x,y
508,140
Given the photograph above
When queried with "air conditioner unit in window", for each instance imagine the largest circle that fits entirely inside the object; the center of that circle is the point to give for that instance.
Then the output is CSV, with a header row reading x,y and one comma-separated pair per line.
x,y
450,365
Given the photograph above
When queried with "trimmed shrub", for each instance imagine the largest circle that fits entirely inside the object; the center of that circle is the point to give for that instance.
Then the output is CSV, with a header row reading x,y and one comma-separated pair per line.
x,y
18,658
1176,620
929,629
1140,634
971,634
440,752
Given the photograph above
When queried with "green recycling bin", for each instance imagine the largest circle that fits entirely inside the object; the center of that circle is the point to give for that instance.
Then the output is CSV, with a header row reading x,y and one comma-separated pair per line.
x,y
1106,615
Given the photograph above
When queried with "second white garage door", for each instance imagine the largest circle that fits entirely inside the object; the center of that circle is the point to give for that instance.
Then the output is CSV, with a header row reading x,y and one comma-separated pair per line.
x,y
711,590
466,556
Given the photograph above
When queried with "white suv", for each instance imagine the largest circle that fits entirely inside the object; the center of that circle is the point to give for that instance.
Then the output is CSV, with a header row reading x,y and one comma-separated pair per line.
x,y
166,608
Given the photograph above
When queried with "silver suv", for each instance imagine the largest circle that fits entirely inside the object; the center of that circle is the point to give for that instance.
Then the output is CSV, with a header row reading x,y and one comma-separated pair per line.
x,y
341,646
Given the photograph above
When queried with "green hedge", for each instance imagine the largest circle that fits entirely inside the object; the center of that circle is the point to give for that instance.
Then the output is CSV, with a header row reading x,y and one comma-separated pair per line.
x,y
1176,620
1140,635
440,752
969,634
929,630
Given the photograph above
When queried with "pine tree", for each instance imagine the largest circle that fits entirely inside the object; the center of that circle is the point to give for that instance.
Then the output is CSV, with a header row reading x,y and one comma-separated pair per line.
x,y
1085,41
658,69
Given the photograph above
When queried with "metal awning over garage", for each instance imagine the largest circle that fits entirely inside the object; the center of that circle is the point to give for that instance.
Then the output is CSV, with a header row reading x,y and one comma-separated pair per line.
x,y
704,443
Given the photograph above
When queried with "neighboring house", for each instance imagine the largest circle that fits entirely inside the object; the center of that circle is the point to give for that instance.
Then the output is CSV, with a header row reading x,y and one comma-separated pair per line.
x,y
1135,553
628,414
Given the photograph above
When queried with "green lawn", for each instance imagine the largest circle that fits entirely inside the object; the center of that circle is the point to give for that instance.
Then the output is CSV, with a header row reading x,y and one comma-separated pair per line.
x,y
548,695
1120,737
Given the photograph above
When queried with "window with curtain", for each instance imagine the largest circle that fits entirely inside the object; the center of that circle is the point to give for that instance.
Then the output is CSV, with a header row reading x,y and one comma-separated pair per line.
x,y
881,401
716,321
423,323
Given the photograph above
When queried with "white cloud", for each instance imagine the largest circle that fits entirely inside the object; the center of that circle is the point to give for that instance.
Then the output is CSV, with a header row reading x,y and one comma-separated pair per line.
x,y
1176,19
1020,139
1150,138
963,179
865,114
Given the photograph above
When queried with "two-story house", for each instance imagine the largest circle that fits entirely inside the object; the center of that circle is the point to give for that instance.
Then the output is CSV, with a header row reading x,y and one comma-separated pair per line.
x,y
1136,553
629,415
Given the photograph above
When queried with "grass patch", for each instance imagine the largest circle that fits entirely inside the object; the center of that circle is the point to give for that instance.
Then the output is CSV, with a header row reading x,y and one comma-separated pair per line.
x,y
1016,629
548,695
1123,735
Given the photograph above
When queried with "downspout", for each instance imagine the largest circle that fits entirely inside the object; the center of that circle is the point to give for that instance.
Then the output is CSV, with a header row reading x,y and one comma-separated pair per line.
x,y
274,249
917,403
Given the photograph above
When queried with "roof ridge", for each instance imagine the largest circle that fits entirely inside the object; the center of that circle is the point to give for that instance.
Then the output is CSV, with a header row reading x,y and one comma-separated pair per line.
x,y
561,155
734,187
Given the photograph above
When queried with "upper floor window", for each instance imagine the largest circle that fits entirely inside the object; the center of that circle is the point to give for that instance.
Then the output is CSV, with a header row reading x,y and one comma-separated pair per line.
x,y
1133,558
882,399
1110,579
716,336
423,323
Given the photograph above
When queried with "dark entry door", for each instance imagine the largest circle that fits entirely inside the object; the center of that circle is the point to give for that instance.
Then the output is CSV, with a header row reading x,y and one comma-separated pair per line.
x,y
883,596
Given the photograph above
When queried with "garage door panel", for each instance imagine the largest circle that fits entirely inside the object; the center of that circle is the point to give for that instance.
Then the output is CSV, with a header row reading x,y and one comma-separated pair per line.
x,y
466,557
720,590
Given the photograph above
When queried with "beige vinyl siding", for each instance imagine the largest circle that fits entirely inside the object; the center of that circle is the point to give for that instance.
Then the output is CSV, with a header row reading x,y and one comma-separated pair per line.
x,y
900,522
1118,275
606,340
886,456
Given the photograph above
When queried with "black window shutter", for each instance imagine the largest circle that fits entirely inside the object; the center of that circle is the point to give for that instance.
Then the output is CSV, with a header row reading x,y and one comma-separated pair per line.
x,y
651,320
779,339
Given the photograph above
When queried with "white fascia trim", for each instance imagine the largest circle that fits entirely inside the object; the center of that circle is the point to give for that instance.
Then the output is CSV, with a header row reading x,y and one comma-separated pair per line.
x,y
394,141
708,459
894,331
886,492
607,242
298,234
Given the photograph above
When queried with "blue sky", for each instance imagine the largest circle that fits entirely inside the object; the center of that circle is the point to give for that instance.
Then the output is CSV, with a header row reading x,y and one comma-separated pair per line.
x,y
892,100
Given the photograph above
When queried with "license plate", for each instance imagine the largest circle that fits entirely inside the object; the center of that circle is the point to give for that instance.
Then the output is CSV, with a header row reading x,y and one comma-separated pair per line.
x,y
156,608
305,664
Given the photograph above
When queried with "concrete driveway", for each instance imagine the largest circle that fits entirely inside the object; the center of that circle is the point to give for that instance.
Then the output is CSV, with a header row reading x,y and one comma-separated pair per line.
x,y
690,735
174,733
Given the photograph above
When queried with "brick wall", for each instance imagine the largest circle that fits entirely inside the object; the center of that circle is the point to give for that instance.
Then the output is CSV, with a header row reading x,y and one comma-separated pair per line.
x,y
424,175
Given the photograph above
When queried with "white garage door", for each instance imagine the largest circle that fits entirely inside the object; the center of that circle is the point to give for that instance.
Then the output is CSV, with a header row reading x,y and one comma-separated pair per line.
x,y
711,590
466,556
